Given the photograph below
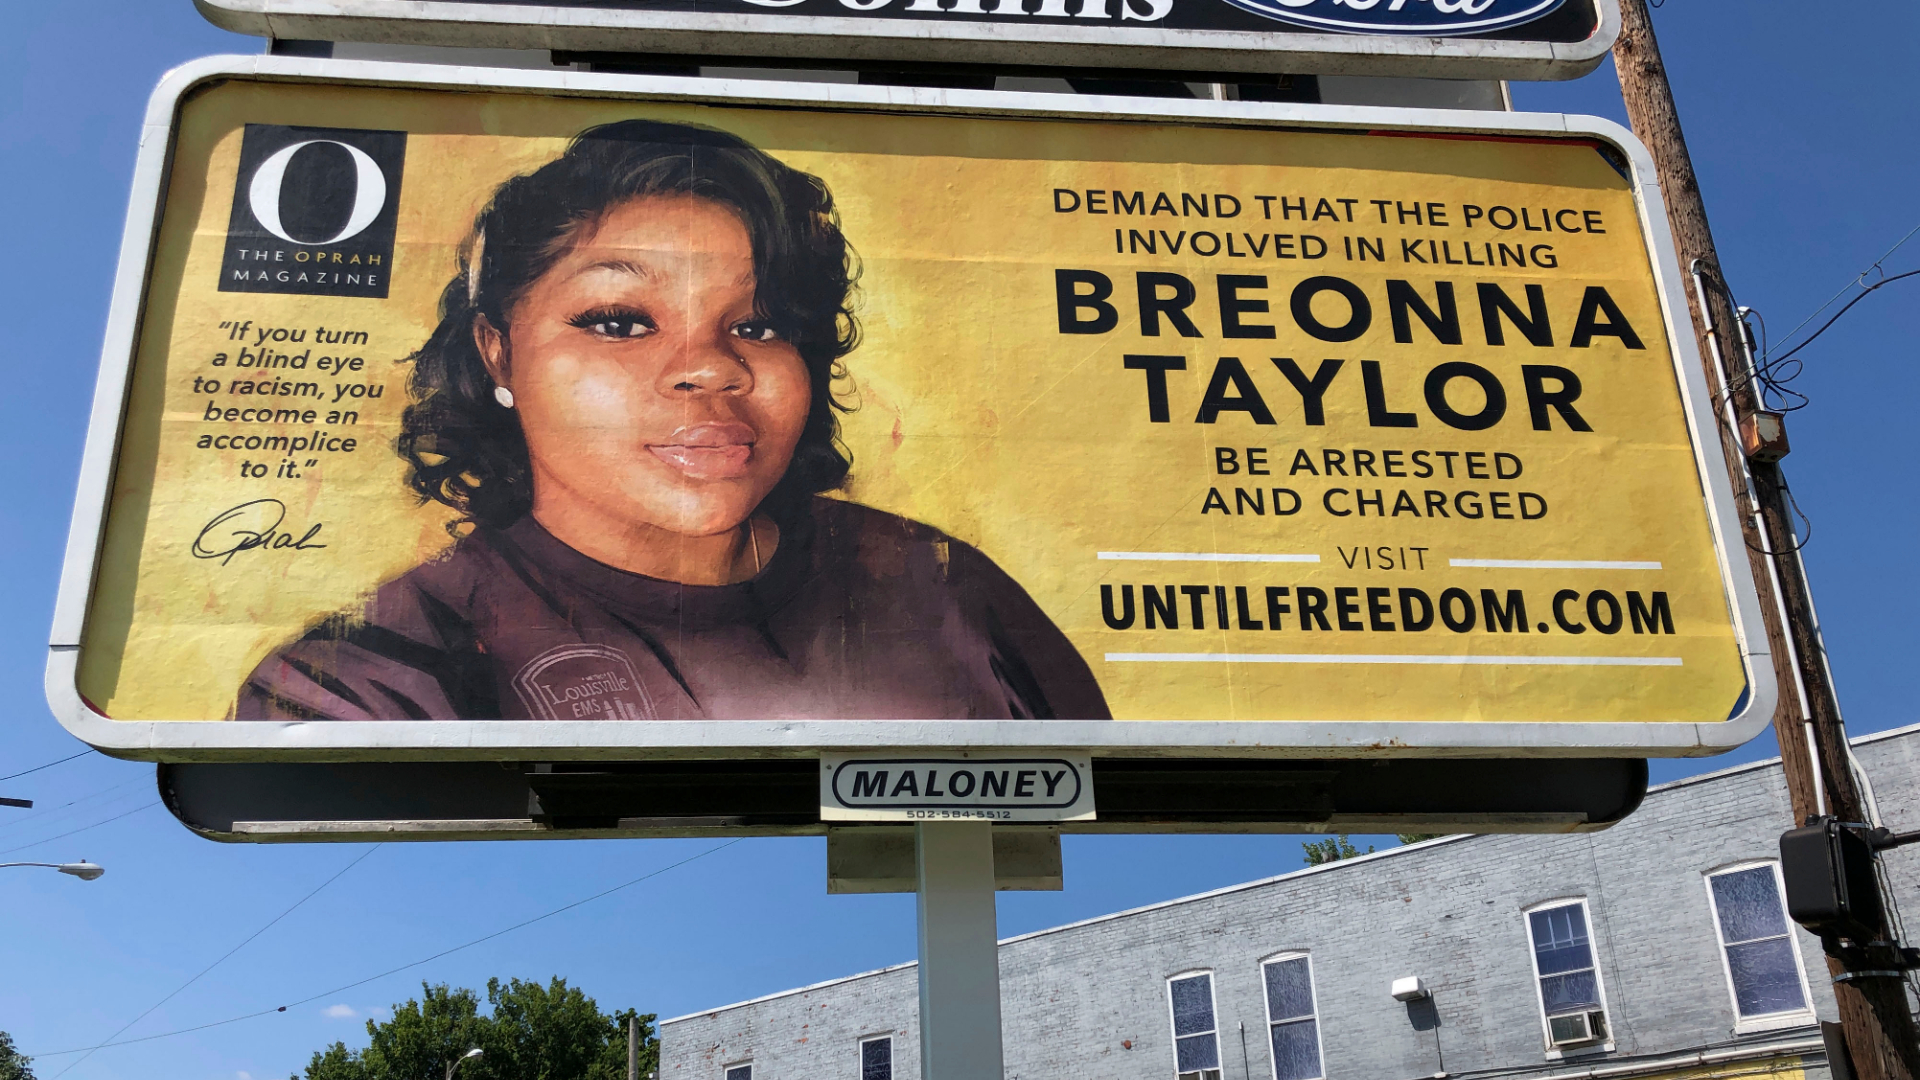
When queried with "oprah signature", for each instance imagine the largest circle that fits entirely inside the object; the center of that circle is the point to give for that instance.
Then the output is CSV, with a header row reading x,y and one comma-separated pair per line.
x,y
249,526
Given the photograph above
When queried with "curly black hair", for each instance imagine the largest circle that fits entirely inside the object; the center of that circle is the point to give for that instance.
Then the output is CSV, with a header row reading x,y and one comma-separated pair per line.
x,y
467,452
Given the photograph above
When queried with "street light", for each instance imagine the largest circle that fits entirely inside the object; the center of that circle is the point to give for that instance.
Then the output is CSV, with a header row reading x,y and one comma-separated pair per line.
x,y
85,871
455,1063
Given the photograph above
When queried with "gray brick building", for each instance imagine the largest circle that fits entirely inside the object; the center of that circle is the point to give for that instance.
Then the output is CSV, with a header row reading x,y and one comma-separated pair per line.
x,y
1655,947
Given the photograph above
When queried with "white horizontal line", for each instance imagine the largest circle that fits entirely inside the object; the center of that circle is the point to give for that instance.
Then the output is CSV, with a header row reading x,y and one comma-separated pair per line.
x,y
1553,564
1204,556
1390,658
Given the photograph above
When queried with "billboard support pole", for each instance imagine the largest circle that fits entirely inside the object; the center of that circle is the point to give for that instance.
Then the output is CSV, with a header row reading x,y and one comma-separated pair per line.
x,y
1880,1032
959,951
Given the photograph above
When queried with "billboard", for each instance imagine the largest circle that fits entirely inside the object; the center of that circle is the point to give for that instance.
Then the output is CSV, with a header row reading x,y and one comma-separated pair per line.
x,y
592,414
1447,39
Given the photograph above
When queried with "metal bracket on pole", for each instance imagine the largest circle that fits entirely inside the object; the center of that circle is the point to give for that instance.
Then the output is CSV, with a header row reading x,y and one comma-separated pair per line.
x,y
880,858
959,952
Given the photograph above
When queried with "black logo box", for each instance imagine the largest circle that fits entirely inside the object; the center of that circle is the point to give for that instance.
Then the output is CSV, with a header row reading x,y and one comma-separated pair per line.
x,y
314,211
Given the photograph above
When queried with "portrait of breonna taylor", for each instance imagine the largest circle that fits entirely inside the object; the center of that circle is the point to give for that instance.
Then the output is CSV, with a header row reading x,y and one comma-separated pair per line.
x,y
629,399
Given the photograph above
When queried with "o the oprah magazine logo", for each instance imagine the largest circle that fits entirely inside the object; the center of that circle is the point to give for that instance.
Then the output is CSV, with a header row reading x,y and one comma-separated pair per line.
x,y
314,211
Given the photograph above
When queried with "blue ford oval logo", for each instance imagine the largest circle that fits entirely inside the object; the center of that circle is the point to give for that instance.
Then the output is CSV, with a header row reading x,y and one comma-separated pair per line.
x,y
1430,18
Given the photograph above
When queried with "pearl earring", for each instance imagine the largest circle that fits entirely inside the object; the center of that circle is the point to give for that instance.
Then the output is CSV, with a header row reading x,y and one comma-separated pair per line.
x,y
504,396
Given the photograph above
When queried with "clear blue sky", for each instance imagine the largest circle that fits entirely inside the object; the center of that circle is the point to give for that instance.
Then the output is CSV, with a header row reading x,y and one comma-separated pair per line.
x,y
1801,119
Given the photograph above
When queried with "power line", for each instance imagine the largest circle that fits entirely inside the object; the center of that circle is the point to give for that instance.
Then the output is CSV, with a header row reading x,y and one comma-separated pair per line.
x,y
223,959
1864,293
1857,279
43,815
1770,370
48,765
403,967
83,828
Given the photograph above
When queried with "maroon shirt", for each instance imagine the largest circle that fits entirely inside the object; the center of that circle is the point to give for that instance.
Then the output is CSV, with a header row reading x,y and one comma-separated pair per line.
x,y
859,615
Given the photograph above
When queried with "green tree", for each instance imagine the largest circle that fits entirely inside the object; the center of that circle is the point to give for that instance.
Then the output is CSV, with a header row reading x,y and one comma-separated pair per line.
x,y
555,1032
14,1065
337,1063
1332,849
534,1032
1416,837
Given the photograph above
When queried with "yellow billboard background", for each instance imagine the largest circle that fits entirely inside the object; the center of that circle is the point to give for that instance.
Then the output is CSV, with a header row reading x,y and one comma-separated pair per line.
x,y
976,414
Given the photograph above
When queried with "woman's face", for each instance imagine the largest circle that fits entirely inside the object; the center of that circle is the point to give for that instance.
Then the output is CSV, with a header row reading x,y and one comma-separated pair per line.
x,y
648,391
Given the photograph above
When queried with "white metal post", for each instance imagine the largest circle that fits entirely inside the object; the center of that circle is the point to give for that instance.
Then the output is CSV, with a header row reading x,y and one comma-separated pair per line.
x,y
959,952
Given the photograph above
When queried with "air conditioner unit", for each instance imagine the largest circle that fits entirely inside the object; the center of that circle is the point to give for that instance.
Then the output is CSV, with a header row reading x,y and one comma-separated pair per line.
x,y
1577,1029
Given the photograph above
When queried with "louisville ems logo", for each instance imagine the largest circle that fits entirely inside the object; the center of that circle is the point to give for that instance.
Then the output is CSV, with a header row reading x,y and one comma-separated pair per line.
x,y
583,682
314,211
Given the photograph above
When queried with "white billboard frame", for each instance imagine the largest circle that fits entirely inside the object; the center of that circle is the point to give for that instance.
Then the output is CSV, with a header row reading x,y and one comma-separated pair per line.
x,y
213,740
1285,49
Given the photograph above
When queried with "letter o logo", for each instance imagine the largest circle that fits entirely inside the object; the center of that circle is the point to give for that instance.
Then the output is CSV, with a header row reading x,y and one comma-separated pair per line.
x,y
369,192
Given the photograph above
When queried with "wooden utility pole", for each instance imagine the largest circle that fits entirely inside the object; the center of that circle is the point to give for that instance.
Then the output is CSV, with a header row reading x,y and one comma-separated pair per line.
x,y
633,1048
1813,747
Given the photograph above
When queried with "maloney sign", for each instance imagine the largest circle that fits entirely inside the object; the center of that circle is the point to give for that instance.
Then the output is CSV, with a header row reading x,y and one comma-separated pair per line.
x,y
977,786
1510,39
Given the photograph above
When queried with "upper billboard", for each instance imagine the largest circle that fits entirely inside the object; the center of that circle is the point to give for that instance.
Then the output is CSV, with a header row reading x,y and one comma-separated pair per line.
x,y
587,414
1456,39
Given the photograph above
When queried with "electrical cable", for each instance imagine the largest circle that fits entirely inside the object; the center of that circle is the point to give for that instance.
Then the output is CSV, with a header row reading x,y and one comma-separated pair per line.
x,y
1803,533
1888,898
83,828
224,957
48,765
1864,293
50,812
1773,373
1857,279
403,967
1773,376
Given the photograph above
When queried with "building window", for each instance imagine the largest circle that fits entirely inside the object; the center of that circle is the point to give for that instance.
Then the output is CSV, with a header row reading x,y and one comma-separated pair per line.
x,y
1756,942
1196,1042
876,1058
742,1071
1571,1003
1292,1028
